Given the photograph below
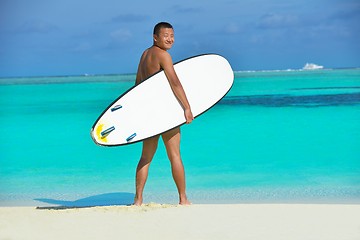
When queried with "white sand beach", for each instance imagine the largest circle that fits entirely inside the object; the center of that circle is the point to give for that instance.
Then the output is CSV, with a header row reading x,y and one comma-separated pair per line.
x,y
157,221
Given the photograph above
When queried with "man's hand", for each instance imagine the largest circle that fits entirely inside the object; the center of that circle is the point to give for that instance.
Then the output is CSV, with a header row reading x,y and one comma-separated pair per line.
x,y
188,116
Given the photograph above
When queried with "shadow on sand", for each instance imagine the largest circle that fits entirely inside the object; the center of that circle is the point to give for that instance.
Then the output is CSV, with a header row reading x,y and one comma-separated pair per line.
x,y
106,199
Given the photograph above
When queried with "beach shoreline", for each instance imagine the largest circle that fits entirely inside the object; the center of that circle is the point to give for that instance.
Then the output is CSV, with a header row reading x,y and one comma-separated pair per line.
x,y
198,221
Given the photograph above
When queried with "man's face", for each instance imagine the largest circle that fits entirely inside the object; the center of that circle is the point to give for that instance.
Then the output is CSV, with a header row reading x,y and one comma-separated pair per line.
x,y
165,39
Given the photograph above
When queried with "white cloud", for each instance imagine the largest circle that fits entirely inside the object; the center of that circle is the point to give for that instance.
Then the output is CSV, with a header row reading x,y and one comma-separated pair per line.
x,y
120,35
130,18
278,21
232,28
82,47
37,26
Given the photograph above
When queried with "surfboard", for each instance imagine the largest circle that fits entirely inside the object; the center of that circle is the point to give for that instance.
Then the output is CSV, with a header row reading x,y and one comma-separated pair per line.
x,y
151,108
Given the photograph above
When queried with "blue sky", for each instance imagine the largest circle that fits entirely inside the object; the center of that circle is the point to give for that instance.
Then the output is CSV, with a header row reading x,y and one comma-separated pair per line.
x,y
71,37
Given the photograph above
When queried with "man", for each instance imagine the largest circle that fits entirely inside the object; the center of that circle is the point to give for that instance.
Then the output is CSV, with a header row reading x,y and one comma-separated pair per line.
x,y
152,60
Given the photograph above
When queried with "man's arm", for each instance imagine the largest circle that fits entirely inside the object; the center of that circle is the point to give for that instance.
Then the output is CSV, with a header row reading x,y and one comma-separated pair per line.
x,y
175,84
138,74
137,81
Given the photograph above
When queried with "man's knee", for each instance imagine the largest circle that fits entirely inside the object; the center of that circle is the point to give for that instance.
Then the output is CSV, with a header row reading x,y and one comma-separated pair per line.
x,y
149,147
145,160
174,155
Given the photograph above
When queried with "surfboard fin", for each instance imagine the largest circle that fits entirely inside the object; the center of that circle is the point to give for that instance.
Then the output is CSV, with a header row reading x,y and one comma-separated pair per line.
x,y
117,107
131,137
107,131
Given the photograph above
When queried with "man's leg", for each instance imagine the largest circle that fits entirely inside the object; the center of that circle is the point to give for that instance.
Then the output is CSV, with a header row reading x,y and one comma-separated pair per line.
x,y
148,151
172,143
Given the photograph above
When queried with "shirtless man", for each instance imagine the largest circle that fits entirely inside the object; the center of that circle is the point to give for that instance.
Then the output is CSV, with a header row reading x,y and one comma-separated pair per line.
x,y
152,60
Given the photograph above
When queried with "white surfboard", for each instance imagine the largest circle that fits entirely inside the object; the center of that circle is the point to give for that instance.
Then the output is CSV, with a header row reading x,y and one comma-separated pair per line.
x,y
151,108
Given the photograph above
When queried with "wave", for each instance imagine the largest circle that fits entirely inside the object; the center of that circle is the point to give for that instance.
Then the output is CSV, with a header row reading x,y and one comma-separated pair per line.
x,y
256,71
86,78
294,70
67,79
280,70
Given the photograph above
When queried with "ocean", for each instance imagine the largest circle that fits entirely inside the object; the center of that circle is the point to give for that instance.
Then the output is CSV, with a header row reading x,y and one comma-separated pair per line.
x,y
278,136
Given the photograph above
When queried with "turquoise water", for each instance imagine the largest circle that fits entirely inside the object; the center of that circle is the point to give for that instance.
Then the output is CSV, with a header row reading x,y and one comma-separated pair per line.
x,y
278,136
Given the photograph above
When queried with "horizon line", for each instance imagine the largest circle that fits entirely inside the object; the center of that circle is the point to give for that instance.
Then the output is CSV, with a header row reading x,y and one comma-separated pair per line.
x,y
128,74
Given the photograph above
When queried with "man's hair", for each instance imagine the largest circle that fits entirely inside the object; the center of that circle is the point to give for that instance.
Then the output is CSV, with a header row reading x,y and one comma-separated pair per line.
x,y
161,25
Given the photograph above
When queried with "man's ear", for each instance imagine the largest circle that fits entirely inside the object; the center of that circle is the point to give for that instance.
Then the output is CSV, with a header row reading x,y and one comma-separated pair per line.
x,y
155,37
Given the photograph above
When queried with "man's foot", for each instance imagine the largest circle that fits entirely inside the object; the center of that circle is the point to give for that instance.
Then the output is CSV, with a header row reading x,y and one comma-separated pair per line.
x,y
137,201
187,202
184,201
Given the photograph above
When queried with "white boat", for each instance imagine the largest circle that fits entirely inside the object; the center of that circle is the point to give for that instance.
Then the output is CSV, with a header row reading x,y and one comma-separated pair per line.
x,y
312,66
